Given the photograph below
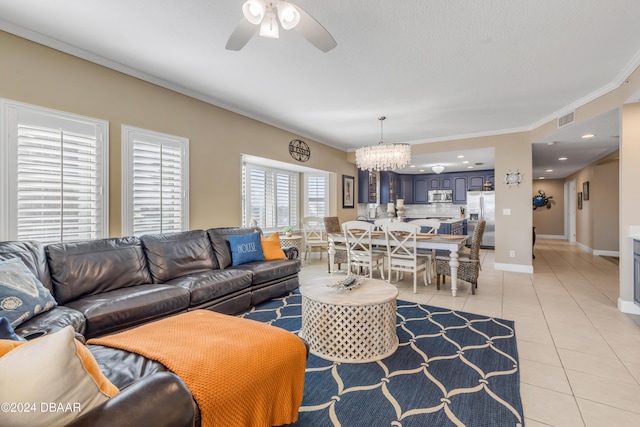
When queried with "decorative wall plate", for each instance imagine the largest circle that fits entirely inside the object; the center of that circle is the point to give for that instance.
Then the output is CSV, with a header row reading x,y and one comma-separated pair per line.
x,y
299,150
513,178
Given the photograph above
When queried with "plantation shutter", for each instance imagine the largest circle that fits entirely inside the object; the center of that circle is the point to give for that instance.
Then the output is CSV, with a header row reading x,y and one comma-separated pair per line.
x,y
272,198
156,180
57,188
317,203
54,174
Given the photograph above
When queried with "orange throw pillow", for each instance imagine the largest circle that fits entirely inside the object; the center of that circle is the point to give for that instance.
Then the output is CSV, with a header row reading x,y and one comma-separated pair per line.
x,y
272,248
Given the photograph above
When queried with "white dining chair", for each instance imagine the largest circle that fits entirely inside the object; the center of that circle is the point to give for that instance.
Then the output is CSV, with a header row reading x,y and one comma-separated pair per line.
x,y
431,222
402,253
358,238
314,235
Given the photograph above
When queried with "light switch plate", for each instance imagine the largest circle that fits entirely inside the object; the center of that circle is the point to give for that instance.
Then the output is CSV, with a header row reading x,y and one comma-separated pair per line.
x,y
506,211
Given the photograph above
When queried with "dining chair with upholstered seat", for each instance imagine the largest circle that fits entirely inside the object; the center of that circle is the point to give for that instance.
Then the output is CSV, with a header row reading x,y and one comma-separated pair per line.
x,y
332,225
314,235
402,253
469,267
357,235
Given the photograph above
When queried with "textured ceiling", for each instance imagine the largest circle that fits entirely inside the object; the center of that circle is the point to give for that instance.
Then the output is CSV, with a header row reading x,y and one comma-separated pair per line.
x,y
437,69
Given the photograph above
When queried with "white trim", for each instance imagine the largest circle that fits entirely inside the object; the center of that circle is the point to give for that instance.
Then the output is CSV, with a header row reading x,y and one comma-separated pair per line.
x,y
584,248
628,307
516,268
551,236
598,252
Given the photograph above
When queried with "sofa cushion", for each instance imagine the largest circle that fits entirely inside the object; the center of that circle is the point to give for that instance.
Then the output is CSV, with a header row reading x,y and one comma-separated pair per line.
x,y
268,271
32,254
126,307
178,254
272,247
22,296
245,248
123,368
96,266
53,370
52,321
207,286
221,248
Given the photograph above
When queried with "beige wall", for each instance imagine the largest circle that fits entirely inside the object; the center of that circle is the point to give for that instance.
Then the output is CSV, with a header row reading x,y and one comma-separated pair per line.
x,y
606,200
217,138
549,222
629,202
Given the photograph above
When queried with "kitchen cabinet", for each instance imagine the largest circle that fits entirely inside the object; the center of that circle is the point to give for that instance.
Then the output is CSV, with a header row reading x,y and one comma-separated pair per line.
x,y
459,190
420,189
406,188
434,183
440,182
389,187
367,187
475,182
636,271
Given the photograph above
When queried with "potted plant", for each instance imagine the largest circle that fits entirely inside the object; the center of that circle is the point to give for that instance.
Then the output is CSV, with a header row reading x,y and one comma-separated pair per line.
x,y
288,231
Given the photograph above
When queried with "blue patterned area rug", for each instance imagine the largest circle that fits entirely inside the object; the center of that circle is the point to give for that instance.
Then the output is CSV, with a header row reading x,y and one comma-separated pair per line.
x,y
451,369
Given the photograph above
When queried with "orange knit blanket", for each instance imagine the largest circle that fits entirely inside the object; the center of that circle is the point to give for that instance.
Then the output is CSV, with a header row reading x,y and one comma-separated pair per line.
x,y
240,372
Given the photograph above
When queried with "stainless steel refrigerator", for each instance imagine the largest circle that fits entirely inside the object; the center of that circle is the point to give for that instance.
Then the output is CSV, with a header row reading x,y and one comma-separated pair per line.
x,y
482,205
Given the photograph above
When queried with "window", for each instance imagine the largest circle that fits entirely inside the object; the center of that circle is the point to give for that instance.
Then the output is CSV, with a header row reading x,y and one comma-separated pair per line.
x,y
270,197
317,200
53,184
155,182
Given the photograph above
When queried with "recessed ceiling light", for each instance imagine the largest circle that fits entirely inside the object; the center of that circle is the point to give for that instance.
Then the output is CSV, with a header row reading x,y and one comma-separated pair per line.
x,y
549,170
562,158
461,156
465,162
587,136
469,167
421,170
541,177
551,143
412,166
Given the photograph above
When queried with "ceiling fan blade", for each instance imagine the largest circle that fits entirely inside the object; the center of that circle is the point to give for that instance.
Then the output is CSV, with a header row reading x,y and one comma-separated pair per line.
x,y
314,32
241,35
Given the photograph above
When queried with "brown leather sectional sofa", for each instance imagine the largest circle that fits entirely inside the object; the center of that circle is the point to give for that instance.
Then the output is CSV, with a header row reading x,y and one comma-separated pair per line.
x,y
105,286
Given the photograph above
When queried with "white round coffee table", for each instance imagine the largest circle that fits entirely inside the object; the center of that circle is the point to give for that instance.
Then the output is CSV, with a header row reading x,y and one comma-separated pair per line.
x,y
352,326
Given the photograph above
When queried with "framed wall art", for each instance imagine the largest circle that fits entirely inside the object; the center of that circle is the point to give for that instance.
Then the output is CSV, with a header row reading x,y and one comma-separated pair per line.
x,y
585,190
580,200
348,183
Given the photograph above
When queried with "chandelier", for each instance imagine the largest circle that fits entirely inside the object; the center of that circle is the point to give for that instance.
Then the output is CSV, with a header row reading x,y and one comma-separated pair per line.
x,y
438,168
383,156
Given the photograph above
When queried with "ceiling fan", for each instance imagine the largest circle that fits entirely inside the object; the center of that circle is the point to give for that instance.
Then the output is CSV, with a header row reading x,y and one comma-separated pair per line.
x,y
261,13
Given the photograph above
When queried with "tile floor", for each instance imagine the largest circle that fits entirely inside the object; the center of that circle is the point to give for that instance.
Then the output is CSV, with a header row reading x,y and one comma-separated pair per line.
x,y
579,356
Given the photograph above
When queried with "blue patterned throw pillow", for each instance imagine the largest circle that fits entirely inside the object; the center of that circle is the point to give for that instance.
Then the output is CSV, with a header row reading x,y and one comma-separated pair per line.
x,y
245,248
22,295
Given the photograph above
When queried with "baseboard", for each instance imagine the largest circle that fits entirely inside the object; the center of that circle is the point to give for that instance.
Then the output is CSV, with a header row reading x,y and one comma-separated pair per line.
x,y
551,236
584,248
606,253
516,268
628,307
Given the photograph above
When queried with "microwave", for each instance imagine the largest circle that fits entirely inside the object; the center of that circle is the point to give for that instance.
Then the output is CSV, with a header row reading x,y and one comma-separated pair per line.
x,y
440,196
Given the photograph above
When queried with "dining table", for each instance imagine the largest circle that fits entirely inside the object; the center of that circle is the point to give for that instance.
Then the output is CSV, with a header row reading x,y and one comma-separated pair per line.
x,y
445,242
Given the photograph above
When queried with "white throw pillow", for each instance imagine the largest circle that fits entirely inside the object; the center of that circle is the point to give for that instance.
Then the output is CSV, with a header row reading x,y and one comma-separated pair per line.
x,y
49,381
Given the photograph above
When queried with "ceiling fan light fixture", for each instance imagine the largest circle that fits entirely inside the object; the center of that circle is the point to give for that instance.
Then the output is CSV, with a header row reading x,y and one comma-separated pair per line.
x,y
288,15
269,26
254,10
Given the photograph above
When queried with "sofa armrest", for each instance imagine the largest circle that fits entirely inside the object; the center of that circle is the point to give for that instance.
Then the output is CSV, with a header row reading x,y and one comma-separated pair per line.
x,y
292,252
161,399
